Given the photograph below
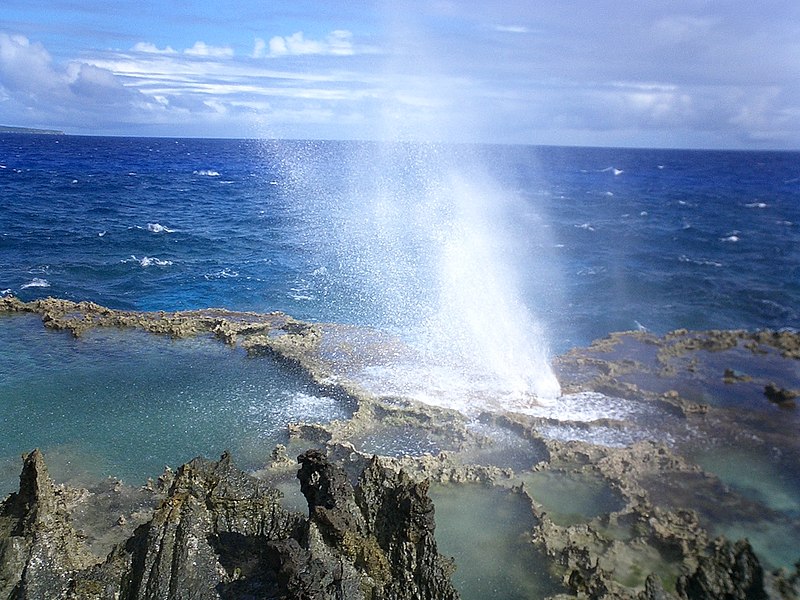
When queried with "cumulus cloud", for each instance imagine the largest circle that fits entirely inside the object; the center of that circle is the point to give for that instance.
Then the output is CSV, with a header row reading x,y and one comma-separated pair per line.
x,y
39,90
202,49
337,43
259,48
25,67
149,48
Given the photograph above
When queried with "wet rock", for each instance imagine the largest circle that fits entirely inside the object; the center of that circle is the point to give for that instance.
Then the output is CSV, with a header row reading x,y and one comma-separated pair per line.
x,y
220,533
733,376
730,572
782,397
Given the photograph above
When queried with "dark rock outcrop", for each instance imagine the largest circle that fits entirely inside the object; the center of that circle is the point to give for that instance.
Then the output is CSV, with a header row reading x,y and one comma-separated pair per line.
x,y
39,548
731,572
221,533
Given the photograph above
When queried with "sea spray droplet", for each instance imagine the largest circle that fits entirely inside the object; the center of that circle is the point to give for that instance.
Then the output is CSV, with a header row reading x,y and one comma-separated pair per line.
x,y
422,242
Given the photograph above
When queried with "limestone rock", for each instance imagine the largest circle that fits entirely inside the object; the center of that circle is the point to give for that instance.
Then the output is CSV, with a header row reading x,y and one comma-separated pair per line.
x,y
222,534
39,548
731,572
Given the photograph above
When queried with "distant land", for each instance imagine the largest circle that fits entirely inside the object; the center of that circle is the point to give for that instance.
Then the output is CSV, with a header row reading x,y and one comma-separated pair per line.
x,y
6,129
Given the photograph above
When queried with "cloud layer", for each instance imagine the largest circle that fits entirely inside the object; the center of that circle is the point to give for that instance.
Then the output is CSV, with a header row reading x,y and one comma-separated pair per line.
x,y
676,74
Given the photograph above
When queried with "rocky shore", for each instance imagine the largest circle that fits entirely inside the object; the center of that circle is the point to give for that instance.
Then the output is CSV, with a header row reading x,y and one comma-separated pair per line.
x,y
209,530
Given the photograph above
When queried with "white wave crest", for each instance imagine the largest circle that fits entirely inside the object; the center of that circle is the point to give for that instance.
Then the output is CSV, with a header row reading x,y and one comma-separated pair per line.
x,y
149,261
158,228
705,262
225,273
36,282
612,170
207,173
756,205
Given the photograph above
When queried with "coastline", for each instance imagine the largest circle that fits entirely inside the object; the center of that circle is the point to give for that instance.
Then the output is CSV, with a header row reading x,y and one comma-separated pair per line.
x,y
654,535
30,130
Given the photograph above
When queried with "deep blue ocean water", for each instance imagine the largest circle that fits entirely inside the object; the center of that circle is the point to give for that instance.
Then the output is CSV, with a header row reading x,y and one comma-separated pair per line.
x,y
586,240
615,238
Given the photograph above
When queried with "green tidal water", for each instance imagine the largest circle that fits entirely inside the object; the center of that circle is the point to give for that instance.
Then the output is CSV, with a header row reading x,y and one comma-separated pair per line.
x,y
487,531
571,498
127,403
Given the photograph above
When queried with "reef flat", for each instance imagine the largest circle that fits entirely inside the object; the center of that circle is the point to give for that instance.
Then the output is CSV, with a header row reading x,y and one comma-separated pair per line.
x,y
623,481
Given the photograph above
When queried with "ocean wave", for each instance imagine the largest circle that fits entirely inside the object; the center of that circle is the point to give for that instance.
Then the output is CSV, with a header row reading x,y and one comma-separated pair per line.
x,y
35,282
705,262
591,271
225,273
158,228
732,237
149,261
756,205
613,170
206,173
586,226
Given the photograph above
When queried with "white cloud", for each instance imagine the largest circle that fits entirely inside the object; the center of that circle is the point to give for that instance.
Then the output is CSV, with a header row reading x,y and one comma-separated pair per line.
x,y
25,67
149,48
203,49
511,29
337,43
259,48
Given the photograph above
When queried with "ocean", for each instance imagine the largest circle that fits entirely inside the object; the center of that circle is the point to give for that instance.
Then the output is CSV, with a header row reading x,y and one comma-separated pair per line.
x,y
543,248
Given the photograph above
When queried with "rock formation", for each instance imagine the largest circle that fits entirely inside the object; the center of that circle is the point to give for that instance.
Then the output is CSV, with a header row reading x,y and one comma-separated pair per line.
x,y
220,533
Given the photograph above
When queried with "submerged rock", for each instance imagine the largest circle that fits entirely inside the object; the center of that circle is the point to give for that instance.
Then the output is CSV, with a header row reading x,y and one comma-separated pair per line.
x,y
221,533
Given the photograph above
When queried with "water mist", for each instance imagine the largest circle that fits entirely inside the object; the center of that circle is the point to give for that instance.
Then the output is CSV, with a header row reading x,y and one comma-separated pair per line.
x,y
421,242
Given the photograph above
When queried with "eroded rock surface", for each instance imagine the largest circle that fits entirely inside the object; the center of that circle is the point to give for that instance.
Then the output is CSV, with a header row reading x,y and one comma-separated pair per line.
x,y
221,533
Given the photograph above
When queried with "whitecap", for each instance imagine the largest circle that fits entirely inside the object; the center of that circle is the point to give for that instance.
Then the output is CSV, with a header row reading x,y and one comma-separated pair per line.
x,y
158,228
36,282
225,273
7,292
705,262
614,170
207,173
732,236
586,226
148,261
756,205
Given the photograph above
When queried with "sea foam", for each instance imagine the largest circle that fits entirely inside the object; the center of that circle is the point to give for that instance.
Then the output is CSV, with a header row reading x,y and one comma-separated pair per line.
x,y
36,282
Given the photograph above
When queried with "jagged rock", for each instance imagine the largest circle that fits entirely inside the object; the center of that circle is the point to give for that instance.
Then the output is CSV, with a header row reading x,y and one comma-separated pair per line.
x,y
731,572
222,534
39,548
385,526
653,590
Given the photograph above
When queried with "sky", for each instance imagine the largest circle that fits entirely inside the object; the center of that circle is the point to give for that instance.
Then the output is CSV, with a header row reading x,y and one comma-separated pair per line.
x,y
675,73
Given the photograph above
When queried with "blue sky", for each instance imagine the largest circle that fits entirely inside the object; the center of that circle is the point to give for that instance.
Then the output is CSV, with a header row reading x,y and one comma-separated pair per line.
x,y
679,73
